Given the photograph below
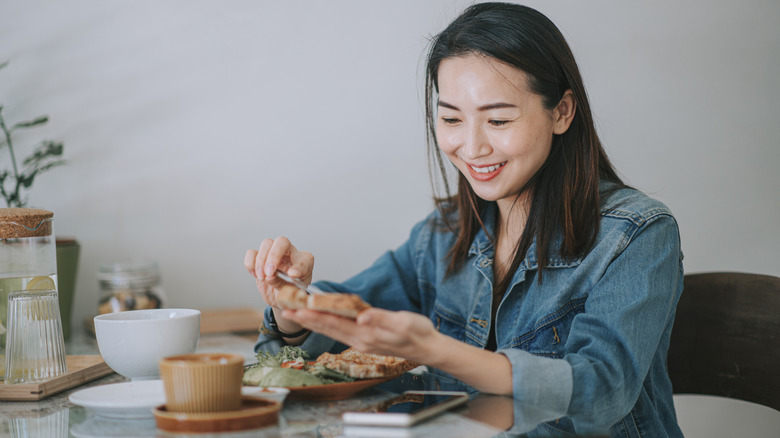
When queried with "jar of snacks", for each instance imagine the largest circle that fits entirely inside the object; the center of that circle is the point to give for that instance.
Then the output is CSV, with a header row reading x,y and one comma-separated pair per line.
x,y
131,285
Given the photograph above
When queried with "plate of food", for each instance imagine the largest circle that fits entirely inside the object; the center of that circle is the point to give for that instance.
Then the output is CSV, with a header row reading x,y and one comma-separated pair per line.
x,y
330,377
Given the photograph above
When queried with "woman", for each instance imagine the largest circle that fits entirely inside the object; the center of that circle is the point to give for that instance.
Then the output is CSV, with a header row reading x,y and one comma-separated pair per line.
x,y
544,276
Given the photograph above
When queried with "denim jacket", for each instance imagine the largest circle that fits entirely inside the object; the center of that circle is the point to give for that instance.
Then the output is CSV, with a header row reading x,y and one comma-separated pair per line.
x,y
589,341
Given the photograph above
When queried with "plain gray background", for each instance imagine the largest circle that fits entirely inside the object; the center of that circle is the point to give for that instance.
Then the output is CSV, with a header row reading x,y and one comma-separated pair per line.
x,y
195,129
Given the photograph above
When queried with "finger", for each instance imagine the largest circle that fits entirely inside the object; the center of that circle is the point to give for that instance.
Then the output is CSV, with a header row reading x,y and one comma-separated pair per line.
x,y
334,326
249,261
396,333
377,317
267,293
381,328
302,266
280,249
262,255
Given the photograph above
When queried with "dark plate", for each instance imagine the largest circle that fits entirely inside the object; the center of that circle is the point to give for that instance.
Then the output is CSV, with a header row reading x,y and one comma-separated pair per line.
x,y
333,391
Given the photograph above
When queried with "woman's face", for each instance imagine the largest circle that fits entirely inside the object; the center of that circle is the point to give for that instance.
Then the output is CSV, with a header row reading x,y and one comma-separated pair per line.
x,y
495,131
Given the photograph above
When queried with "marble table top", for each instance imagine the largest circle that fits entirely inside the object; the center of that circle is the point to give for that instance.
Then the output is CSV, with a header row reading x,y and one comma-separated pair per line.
x,y
56,416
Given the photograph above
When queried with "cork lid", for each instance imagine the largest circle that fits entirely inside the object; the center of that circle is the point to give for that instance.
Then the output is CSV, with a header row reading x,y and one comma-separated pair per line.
x,y
25,222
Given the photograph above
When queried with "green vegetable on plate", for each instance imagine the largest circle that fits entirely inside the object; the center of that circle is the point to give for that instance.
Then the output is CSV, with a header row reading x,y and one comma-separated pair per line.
x,y
289,368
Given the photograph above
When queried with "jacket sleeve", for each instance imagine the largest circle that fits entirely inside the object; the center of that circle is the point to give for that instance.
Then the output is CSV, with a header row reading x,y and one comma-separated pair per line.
x,y
612,344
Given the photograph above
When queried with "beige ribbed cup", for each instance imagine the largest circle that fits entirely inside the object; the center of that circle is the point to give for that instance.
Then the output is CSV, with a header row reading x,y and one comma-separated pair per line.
x,y
202,382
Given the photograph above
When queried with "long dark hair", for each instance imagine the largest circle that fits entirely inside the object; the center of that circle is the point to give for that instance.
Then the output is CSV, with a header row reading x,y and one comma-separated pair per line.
x,y
565,190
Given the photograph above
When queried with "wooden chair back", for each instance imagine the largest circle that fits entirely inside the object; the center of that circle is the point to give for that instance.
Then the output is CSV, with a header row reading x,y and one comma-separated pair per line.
x,y
726,337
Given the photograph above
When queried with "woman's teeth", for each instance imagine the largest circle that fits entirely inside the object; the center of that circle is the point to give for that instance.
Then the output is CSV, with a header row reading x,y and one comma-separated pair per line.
x,y
487,169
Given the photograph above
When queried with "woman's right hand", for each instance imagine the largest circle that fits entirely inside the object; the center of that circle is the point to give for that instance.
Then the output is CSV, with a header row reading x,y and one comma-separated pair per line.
x,y
277,255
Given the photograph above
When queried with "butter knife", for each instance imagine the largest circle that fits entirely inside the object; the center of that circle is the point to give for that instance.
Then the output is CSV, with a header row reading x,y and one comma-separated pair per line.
x,y
297,282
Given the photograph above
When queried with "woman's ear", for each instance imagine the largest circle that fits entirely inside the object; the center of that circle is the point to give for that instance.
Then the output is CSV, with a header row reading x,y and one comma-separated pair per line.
x,y
563,113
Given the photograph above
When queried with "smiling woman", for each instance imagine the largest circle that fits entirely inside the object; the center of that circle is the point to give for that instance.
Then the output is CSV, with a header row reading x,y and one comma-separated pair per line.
x,y
263,110
543,277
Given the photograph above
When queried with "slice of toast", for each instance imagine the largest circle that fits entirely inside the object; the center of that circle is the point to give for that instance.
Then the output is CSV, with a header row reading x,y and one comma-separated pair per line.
x,y
290,297
349,305
365,365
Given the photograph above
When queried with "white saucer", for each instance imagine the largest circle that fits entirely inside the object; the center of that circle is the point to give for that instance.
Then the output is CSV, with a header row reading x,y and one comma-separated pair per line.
x,y
122,400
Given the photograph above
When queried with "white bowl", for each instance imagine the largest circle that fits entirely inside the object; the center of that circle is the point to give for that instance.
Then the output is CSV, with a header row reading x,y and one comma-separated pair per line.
x,y
275,393
133,342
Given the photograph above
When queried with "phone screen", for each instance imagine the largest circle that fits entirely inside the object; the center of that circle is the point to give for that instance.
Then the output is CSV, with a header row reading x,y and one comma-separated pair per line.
x,y
412,403
406,409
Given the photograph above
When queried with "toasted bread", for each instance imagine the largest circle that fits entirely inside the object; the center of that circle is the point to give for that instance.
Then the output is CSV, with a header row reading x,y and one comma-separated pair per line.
x,y
365,365
290,297
349,305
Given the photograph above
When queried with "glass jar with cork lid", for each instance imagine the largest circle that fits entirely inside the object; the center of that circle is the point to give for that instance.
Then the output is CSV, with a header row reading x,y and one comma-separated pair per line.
x,y
28,257
130,285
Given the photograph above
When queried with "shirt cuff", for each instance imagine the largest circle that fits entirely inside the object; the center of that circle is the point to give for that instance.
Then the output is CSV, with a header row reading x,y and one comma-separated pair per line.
x,y
540,381
314,344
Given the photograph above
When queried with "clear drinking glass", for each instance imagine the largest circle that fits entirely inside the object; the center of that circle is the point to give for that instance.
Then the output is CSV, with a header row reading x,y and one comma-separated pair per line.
x,y
35,349
53,425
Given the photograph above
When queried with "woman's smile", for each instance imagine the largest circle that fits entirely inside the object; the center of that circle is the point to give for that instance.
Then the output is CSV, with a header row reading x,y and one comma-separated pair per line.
x,y
485,173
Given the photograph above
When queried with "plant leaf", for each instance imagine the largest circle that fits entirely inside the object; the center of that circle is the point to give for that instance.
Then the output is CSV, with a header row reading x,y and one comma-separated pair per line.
x,y
13,200
43,159
26,180
48,166
29,124
48,149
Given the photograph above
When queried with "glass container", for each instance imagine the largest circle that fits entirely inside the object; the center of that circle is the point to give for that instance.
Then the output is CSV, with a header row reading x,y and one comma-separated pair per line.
x,y
28,259
133,285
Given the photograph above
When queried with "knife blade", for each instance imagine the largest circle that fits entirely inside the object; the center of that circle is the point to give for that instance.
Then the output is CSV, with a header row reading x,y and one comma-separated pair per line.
x,y
297,282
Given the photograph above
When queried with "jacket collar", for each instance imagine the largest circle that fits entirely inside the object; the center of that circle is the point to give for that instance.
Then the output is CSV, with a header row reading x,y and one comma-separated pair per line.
x,y
482,244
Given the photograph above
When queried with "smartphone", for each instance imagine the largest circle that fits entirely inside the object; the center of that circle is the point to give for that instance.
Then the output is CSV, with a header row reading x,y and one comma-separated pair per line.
x,y
406,409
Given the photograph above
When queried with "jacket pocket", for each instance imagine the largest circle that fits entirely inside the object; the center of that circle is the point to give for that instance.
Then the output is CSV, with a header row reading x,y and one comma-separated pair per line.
x,y
549,335
449,323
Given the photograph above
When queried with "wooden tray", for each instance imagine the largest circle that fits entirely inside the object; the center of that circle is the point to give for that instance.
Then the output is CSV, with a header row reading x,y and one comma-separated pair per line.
x,y
81,369
230,320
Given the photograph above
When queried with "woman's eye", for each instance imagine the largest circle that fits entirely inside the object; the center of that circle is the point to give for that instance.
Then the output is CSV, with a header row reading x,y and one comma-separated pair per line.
x,y
499,122
449,120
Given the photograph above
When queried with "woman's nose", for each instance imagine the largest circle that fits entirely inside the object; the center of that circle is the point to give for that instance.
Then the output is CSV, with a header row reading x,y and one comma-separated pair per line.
x,y
476,144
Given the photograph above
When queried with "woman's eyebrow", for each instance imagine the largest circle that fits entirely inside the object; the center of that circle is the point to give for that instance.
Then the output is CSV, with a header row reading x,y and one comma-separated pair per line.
x,y
490,106
497,105
447,105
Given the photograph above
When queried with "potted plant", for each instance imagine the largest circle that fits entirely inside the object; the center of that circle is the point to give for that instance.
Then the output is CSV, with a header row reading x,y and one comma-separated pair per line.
x,y
18,177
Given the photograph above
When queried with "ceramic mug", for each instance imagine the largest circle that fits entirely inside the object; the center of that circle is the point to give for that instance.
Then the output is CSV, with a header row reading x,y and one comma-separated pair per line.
x,y
202,382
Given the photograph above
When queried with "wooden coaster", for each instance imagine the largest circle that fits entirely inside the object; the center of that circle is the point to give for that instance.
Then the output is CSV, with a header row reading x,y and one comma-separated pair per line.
x,y
253,414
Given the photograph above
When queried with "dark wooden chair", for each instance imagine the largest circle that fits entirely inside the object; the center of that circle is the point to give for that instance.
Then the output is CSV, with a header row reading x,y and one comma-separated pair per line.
x,y
726,337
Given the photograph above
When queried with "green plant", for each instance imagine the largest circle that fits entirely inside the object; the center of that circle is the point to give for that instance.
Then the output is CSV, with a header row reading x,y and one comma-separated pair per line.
x,y
46,155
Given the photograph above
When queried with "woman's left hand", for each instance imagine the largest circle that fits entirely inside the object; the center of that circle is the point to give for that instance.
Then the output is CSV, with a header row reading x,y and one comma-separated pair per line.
x,y
405,334
412,336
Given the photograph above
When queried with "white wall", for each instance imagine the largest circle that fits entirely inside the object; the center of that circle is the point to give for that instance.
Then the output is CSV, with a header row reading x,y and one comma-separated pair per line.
x,y
195,129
